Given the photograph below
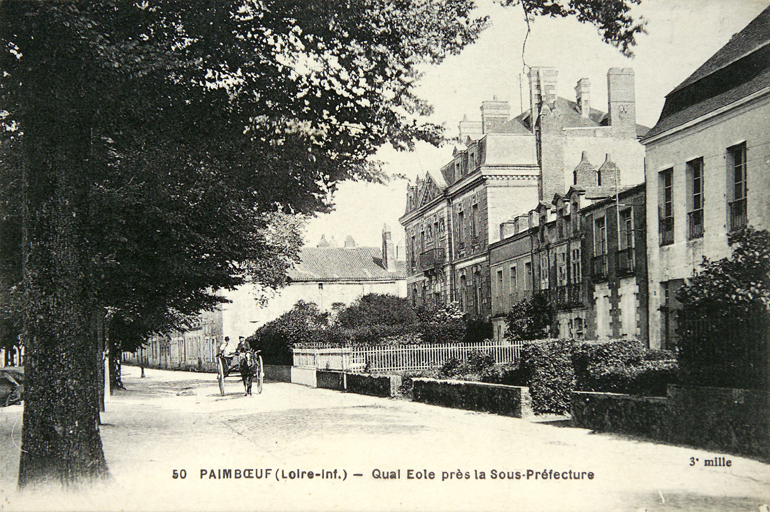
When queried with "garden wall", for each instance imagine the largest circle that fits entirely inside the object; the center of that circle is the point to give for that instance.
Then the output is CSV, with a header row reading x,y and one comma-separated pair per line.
x,y
725,419
328,379
474,396
733,420
278,373
373,385
625,414
304,376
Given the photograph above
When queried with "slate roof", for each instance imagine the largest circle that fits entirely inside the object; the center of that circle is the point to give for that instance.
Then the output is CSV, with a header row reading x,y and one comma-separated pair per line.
x,y
571,118
341,264
738,70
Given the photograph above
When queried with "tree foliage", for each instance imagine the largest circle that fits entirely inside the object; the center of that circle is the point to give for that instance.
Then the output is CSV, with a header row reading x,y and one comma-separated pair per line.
x,y
530,319
155,143
612,18
724,321
377,309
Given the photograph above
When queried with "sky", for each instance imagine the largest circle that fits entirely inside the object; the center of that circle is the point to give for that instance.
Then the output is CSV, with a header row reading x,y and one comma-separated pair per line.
x,y
681,35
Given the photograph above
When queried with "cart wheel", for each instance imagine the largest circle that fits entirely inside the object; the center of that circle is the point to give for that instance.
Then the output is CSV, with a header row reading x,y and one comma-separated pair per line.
x,y
260,375
221,376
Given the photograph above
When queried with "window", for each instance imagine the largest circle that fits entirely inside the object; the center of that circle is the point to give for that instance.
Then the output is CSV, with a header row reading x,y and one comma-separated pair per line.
x,y
576,266
737,186
435,230
528,276
544,281
600,247
475,221
666,206
460,229
320,286
561,265
412,249
499,283
626,249
695,199
514,285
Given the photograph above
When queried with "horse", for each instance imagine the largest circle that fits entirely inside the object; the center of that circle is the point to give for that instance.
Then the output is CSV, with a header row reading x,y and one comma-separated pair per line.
x,y
248,366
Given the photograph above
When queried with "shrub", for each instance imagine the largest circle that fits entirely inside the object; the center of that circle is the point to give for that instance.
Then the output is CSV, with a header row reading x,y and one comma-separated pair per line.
x,y
377,309
546,366
477,331
383,335
530,319
649,378
600,355
724,321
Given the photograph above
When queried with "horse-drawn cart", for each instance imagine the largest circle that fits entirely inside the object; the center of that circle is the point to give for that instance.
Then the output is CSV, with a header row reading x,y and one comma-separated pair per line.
x,y
11,385
247,363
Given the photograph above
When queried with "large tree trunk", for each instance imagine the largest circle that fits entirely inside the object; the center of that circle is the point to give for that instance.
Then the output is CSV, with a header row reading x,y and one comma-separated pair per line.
x,y
60,432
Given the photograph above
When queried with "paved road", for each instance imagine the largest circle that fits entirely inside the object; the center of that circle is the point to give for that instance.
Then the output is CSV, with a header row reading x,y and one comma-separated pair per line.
x,y
178,421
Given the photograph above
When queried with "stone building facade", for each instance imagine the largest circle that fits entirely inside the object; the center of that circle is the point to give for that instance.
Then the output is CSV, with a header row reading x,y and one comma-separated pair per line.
x,y
505,167
708,168
586,253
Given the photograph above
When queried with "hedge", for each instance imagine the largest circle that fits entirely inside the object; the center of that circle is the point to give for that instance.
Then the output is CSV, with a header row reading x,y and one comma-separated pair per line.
x,y
547,367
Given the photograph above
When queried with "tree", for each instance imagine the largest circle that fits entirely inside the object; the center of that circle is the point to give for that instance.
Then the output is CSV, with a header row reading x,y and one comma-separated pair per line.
x,y
151,142
612,17
304,323
530,319
377,309
724,321
154,140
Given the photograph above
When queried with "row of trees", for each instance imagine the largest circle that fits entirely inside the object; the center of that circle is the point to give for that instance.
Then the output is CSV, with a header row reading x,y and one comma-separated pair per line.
x,y
153,152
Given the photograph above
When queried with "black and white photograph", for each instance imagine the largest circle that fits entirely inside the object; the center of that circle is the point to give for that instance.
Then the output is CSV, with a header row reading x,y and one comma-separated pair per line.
x,y
385,255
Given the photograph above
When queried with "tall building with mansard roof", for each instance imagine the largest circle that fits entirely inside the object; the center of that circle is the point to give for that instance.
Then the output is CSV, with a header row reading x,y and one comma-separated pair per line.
x,y
504,166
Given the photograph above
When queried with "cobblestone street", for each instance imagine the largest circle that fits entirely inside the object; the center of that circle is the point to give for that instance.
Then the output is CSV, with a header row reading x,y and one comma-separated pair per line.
x,y
361,452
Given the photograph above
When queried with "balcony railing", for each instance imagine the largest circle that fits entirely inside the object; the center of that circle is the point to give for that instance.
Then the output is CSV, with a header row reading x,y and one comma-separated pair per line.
x,y
600,267
567,295
432,259
626,261
666,230
695,224
738,214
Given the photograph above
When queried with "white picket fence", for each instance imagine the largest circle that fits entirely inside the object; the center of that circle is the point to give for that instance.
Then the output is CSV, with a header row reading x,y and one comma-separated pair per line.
x,y
399,357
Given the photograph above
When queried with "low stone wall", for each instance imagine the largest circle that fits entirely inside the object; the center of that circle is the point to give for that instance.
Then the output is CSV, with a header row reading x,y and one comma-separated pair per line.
x,y
474,396
304,376
328,379
278,373
373,385
733,420
625,414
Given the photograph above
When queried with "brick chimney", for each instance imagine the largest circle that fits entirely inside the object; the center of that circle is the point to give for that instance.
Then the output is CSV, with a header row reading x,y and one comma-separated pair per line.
x,y
542,90
468,128
621,102
583,96
494,114
349,242
388,250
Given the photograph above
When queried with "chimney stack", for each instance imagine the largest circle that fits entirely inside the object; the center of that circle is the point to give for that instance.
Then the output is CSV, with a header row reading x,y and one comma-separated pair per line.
x,y
621,102
494,114
542,90
583,96
349,242
469,129
388,250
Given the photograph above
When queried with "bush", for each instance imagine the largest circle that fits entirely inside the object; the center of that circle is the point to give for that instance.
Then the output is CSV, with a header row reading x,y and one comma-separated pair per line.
x,y
546,366
649,378
383,335
623,366
477,331
377,309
